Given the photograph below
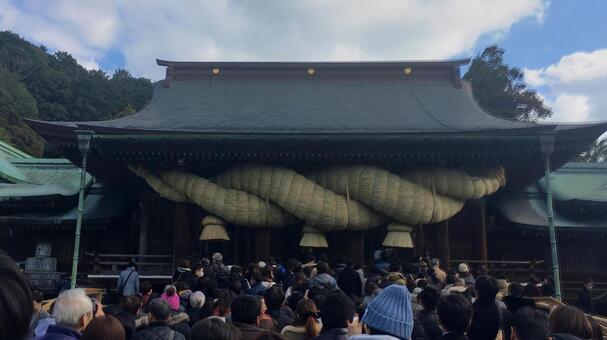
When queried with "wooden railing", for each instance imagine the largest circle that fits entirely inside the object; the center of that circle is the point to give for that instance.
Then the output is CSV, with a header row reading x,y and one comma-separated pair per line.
x,y
112,264
510,269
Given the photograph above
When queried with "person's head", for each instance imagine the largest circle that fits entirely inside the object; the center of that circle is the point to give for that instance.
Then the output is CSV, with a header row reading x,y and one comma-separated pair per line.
x,y
133,264
370,287
588,284
274,297
217,257
434,262
486,288
246,309
197,299
145,287
529,324
454,312
570,320
267,274
236,285
198,270
428,298
37,298
306,315
104,327
182,286
390,313
73,309
463,269
214,329
130,304
322,268
294,299
183,263
159,310
224,303
336,310
170,290
16,300
516,289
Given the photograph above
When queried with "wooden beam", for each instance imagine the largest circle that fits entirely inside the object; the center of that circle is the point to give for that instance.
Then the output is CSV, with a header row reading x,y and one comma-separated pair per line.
x,y
181,243
443,244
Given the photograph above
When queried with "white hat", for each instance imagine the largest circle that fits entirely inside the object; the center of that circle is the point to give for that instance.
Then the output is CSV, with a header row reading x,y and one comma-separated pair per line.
x,y
463,268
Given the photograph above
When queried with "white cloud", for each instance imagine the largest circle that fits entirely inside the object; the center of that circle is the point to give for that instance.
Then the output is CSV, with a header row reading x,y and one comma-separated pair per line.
x,y
570,108
574,86
265,29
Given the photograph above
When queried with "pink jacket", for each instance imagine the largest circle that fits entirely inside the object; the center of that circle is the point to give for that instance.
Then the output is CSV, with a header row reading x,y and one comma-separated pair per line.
x,y
172,300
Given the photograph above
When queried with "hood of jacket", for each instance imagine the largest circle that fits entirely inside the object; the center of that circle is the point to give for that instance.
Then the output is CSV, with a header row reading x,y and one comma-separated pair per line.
x,y
177,318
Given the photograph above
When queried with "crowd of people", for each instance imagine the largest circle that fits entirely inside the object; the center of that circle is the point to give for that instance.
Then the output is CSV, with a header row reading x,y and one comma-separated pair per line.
x,y
317,298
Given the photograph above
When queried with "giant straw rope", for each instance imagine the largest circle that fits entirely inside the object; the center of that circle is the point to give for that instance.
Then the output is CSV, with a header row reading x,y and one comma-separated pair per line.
x,y
335,198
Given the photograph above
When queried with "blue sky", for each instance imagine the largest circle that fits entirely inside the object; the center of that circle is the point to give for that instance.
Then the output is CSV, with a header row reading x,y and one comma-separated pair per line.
x,y
561,44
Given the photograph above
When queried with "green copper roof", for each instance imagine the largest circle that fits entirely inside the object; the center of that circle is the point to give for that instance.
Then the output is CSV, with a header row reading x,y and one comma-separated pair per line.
x,y
100,205
579,181
10,151
529,208
9,172
45,177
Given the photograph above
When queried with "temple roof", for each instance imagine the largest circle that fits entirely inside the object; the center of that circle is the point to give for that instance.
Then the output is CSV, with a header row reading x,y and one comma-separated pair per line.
x,y
295,98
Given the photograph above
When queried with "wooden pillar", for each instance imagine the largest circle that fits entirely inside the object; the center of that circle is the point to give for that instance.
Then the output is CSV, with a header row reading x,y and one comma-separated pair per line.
x,y
481,230
181,241
442,238
144,223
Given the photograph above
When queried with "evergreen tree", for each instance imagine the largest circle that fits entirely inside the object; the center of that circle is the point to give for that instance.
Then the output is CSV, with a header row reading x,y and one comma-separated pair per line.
x,y
55,87
501,89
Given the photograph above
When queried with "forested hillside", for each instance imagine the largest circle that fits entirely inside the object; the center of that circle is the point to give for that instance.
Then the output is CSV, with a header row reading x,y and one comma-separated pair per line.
x,y
37,84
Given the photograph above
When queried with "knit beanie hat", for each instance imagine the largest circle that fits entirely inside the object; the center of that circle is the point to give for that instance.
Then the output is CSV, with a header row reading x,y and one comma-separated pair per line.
x,y
390,312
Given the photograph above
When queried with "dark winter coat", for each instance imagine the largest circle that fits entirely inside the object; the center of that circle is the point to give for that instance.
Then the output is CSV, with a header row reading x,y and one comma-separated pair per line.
x,y
455,336
514,303
197,314
158,330
283,317
179,323
584,301
349,282
332,334
55,332
429,323
249,332
486,320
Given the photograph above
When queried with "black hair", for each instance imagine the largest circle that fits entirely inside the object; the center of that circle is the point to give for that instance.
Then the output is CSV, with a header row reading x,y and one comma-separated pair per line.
x,y
429,297
321,268
160,309
182,285
274,297
130,304
515,289
336,310
293,299
236,285
245,309
145,287
454,312
317,295
214,329
486,287
224,301
530,324
132,263
37,296
16,307
588,280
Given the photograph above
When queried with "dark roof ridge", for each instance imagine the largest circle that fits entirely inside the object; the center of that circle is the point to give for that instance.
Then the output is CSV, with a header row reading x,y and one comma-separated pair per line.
x,y
318,64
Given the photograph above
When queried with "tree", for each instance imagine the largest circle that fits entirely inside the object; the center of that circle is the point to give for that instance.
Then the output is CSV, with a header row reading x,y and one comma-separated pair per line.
x,y
595,153
17,102
37,84
501,89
